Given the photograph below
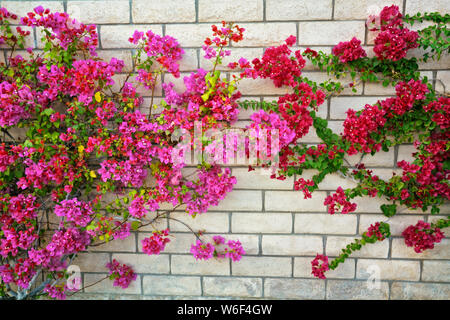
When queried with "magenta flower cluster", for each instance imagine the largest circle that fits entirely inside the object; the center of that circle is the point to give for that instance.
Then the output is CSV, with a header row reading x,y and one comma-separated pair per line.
x,y
122,274
219,248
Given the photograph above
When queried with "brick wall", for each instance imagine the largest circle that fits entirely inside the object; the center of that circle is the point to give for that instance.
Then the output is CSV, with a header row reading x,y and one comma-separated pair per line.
x,y
281,231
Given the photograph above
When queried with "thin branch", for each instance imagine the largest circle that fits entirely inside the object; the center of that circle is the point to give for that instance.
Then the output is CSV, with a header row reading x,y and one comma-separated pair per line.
x,y
92,284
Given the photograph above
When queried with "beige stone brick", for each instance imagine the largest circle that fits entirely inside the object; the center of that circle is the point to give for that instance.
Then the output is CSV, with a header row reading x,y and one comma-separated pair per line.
x,y
249,242
311,136
21,8
440,251
230,10
154,11
331,181
235,55
356,290
266,34
379,159
389,269
340,105
98,12
435,64
405,153
443,81
116,36
294,289
336,126
179,242
171,285
298,10
159,224
91,262
335,245
107,286
369,205
124,55
385,174
260,179
414,6
232,287
294,201
19,134
377,88
397,223
437,271
361,9
325,223
258,86
329,33
302,269
126,245
187,264
261,222
291,245
262,266
189,35
242,200
209,221
420,291
89,296
178,83
144,263
189,62
444,209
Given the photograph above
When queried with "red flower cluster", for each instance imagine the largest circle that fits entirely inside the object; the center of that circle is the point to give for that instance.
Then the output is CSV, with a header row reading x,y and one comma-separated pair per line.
x,y
156,243
277,64
441,109
339,199
374,230
349,50
122,274
430,177
406,95
233,249
421,236
302,184
294,108
319,269
359,127
222,37
394,39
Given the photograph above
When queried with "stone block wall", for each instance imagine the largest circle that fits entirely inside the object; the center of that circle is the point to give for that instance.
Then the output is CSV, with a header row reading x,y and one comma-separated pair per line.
x,y
280,231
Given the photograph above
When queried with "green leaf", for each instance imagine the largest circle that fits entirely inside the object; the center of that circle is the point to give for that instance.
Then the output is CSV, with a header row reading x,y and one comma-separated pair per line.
x,y
135,225
48,112
389,209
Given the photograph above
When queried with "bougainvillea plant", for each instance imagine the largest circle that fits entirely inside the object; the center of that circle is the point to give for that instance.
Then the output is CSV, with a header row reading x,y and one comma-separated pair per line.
x,y
417,114
92,166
